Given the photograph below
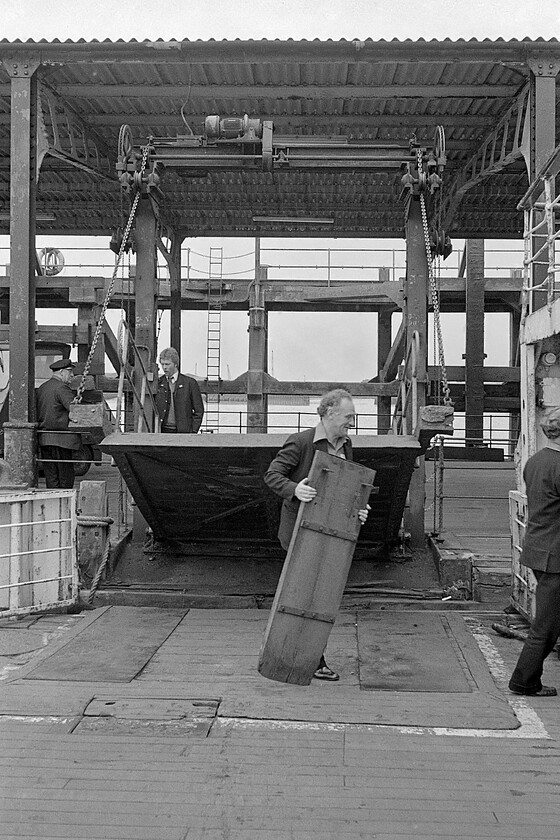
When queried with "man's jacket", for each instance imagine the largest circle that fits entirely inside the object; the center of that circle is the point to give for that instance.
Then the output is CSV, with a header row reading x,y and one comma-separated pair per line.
x,y
541,546
53,399
189,408
293,463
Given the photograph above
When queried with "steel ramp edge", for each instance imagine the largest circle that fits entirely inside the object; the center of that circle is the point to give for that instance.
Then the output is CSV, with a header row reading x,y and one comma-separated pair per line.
x,y
196,487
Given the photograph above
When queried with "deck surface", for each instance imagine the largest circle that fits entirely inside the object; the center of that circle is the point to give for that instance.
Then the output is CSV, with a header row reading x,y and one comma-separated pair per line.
x,y
199,747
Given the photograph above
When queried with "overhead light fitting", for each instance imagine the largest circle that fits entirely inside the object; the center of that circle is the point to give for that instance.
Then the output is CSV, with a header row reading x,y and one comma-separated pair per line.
x,y
293,220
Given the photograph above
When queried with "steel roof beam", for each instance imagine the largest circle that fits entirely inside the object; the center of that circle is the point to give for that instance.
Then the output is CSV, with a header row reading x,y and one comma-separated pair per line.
x,y
291,92
63,134
369,51
505,144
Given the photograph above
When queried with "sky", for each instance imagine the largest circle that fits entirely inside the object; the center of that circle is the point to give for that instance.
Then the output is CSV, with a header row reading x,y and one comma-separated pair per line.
x,y
245,19
299,341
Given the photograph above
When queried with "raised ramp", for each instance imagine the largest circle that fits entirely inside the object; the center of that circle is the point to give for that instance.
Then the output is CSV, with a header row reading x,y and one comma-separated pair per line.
x,y
193,488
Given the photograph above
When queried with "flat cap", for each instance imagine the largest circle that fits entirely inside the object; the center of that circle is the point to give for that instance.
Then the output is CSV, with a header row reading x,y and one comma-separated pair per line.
x,y
61,364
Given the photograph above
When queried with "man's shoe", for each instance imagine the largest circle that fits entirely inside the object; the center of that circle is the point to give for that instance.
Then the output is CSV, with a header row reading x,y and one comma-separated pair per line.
x,y
325,673
545,691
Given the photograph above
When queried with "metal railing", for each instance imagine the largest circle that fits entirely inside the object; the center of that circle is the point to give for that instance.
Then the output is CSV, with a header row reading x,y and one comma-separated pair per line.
x,y
405,414
321,265
38,567
541,207
127,347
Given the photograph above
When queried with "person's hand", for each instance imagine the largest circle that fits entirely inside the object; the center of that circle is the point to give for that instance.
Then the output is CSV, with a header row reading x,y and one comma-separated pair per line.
x,y
363,514
304,492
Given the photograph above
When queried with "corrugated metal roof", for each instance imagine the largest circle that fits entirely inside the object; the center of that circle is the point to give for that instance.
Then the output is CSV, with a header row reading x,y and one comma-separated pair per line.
x,y
365,90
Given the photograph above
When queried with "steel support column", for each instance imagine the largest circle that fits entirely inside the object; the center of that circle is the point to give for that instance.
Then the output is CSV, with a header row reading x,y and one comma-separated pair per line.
x,y
474,346
257,399
416,320
145,296
88,316
23,179
384,341
174,265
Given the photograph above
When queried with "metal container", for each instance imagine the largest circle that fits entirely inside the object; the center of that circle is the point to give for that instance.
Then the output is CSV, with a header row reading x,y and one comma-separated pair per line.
x,y
38,564
524,581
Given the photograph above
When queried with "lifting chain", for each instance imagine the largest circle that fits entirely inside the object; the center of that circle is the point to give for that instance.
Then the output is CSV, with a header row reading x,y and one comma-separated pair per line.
x,y
109,295
433,287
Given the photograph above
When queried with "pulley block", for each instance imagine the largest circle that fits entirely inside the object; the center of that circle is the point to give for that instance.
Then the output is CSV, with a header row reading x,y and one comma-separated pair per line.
x,y
440,244
116,242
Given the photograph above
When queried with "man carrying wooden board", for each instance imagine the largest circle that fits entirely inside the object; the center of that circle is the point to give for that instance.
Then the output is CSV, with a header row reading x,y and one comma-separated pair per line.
x,y
287,475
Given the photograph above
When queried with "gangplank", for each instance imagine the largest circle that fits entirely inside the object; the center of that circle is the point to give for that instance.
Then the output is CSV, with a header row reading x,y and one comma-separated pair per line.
x,y
210,488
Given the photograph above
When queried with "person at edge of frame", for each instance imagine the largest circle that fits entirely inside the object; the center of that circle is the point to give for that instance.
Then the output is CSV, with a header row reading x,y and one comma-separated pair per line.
x,y
287,475
178,399
56,443
541,553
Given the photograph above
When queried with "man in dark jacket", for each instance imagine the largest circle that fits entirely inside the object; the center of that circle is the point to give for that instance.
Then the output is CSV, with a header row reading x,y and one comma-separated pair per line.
x,y
57,444
541,552
178,400
288,473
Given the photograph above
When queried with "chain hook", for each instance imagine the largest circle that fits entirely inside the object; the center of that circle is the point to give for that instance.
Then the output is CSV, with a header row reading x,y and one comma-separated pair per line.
x,y
433,289
109,295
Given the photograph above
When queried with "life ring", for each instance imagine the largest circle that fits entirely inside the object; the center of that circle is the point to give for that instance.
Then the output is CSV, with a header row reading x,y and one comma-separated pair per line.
x,y
52,261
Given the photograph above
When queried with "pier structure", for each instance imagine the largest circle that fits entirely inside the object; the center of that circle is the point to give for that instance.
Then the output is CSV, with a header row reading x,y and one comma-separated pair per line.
x,y
431,140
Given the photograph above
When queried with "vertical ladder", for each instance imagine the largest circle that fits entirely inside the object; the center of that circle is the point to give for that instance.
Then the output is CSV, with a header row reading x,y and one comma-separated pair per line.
x,y
214,335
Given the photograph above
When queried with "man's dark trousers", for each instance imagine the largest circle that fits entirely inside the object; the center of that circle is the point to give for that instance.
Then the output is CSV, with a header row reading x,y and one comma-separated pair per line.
x,y
543,634
59,473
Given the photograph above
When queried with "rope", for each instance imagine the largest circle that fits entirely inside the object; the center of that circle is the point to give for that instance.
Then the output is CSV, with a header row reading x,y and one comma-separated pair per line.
x,y
90,522
108,296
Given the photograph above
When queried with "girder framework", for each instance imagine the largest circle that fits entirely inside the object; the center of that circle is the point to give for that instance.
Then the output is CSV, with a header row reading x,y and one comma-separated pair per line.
x,y
367,91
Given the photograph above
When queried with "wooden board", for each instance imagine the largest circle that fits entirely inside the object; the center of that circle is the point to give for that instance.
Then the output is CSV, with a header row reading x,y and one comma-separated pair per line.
x,y
210,488
315,570
97,654
406,651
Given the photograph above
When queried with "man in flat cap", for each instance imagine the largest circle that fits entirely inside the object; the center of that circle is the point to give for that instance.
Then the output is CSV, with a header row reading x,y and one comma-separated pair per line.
x,y
57,444
541,553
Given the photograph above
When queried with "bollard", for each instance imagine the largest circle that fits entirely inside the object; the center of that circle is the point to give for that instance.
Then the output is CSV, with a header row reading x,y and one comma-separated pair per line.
x,y
93,526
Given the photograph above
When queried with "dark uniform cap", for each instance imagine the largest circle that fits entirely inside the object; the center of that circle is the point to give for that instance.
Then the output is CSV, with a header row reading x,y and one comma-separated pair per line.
x,y
61,364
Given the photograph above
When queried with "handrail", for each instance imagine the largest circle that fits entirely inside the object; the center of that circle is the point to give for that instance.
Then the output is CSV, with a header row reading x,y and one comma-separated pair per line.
x,y
408,391
126,342
541,206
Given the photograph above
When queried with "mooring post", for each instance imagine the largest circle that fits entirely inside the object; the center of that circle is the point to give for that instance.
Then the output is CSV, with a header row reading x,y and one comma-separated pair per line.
x,y
93,528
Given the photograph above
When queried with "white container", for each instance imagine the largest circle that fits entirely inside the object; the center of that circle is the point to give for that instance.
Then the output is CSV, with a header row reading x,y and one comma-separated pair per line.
x,y
524,581
38,562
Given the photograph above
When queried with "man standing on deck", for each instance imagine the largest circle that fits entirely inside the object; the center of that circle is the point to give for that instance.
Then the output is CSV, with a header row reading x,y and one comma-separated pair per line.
x,y
178,400
541,553
57,444
287,475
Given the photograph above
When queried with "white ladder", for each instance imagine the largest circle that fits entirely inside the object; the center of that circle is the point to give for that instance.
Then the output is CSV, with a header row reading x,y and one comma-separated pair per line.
x,y
214,337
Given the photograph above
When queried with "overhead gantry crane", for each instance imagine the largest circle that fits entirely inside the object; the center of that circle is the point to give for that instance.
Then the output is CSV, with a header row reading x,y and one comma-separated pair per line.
x,y
243,145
